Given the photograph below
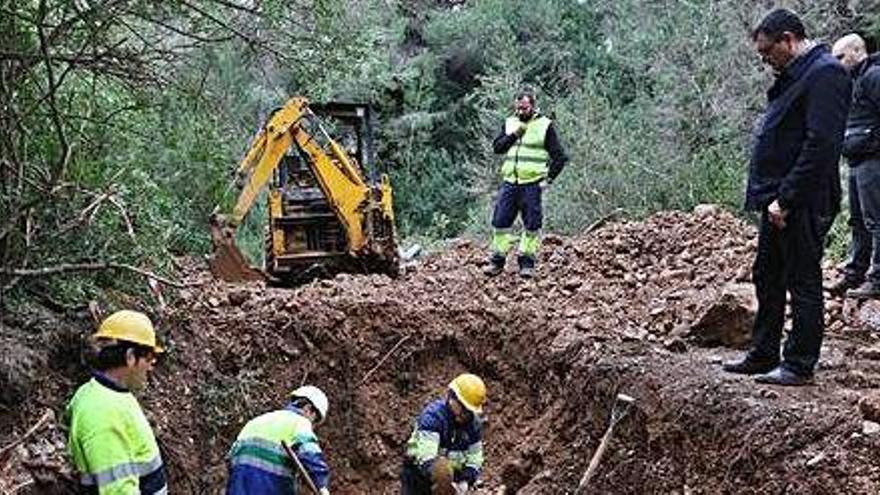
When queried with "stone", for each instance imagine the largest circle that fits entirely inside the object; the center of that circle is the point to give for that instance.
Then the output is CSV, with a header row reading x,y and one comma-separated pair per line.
x,y
238,297
871,352
869,406
870,428
816,459
869,315
727,320
705,210
675,344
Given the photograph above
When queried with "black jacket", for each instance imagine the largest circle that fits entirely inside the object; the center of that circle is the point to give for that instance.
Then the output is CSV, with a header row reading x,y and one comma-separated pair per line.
x,y
797,148
558,158
864,113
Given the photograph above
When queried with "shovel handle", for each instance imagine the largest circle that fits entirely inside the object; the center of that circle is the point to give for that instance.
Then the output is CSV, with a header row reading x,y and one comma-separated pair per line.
x,y
594,462
300,467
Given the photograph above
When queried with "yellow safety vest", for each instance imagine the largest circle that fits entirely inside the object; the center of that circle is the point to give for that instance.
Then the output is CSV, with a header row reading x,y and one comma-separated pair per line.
x,y
112,444
526,160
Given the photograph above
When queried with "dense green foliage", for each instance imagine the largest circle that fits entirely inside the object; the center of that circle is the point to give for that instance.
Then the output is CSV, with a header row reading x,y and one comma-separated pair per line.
x,y
123,120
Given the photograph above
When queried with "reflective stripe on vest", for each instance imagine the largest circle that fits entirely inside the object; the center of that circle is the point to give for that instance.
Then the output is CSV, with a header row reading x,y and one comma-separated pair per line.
x,y
526,160
111,442
472,457
259,443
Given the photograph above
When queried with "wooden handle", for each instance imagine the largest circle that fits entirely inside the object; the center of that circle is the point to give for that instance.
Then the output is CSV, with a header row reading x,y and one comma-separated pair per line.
x,y
594,462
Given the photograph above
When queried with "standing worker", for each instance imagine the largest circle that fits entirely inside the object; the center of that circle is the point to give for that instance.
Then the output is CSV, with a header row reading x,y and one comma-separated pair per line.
x,y
528,141
861,147
444,454
110,440
794,181
259,463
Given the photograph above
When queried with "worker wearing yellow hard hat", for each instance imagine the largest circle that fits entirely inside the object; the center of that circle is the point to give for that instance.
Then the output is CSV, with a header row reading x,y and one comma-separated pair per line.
x,y
110,441
446,445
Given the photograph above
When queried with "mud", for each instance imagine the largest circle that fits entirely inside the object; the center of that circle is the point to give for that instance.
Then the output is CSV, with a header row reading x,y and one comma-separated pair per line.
x,y
614,311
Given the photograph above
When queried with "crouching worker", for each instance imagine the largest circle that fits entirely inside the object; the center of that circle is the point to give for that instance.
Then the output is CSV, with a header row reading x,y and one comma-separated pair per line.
x,y
258,461
444,454
110,441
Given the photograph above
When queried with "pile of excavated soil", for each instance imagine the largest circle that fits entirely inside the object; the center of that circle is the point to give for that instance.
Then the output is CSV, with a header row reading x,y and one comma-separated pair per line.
x,y
613,311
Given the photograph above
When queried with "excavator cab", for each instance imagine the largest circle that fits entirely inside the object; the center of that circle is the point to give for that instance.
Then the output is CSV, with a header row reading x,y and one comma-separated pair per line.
x,y
329,209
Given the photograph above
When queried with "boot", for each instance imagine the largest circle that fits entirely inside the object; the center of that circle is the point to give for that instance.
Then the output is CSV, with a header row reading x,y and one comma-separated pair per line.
x,y
526,266
496,264
867,290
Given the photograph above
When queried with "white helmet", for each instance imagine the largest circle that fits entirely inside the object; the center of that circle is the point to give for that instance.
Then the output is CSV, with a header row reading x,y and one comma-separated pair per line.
x,y
316,397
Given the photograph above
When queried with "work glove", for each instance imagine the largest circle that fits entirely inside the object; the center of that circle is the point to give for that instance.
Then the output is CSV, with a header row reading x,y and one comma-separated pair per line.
x,y
324,491
461,488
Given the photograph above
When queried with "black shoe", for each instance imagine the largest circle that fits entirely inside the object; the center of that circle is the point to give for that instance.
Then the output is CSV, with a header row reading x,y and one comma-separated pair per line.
x,y
844,284
785,377
496,265
868,290
526,266
749,366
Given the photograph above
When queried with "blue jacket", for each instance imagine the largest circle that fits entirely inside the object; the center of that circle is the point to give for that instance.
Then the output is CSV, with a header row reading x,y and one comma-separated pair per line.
x,y
437,434
797,148
259,464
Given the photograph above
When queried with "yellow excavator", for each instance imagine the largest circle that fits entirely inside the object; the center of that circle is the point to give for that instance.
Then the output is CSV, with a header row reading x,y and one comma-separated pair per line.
x,y
326,215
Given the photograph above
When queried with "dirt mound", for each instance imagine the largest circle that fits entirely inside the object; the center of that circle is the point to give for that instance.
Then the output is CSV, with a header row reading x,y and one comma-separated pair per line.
x,y
613,311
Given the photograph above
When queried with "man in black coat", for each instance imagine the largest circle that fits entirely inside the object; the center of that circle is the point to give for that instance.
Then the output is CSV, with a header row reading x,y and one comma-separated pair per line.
x,y
794,182
861,146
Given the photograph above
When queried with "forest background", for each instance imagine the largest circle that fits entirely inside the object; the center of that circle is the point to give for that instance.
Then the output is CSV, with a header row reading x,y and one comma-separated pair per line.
x,y
122,120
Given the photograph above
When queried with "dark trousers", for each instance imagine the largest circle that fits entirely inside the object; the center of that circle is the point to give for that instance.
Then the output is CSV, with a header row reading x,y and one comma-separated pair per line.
x,y
516,199
864,221
413,481
789,259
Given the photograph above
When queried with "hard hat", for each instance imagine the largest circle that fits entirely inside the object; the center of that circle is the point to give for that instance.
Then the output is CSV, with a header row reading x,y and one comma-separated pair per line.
x,y
470,390
130,326
314,395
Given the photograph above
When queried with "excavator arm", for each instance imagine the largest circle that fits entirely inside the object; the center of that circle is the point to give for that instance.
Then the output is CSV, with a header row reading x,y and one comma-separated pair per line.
x,y
364,210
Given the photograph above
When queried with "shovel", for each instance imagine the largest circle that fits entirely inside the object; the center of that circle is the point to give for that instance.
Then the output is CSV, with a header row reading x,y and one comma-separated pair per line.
x,y
622,404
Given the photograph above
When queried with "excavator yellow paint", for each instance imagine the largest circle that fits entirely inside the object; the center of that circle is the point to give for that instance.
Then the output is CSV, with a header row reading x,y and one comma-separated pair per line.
x,y
342,222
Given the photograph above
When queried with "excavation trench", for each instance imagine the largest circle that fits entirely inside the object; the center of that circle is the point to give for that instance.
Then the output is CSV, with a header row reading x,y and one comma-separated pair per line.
x,y
600,319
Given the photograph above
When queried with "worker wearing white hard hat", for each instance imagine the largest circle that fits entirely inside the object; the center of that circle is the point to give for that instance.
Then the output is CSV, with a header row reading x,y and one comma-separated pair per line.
x,y
259,459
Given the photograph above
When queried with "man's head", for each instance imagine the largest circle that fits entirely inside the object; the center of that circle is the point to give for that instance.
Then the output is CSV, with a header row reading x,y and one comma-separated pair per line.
x,y
467,394
524,104
850,50
125,348
312,401
778,38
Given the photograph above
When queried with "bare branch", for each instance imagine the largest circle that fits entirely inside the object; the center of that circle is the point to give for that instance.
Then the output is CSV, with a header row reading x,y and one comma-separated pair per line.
x,y
122,211
60,167
89,267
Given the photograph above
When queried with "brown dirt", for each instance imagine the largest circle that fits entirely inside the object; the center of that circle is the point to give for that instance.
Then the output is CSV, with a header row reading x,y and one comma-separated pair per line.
x,y
598,320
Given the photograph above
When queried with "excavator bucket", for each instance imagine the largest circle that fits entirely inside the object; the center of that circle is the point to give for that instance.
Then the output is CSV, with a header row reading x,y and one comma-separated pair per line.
x,y
227,262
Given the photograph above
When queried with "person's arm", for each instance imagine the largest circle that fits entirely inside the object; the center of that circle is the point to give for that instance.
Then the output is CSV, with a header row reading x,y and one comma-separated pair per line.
x,y
871,91
423,446
473,464
827,107
504,141
309,453
558,158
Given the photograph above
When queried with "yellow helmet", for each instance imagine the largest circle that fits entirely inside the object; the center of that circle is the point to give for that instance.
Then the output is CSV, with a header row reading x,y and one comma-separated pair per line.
x,y
470,391
130,326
